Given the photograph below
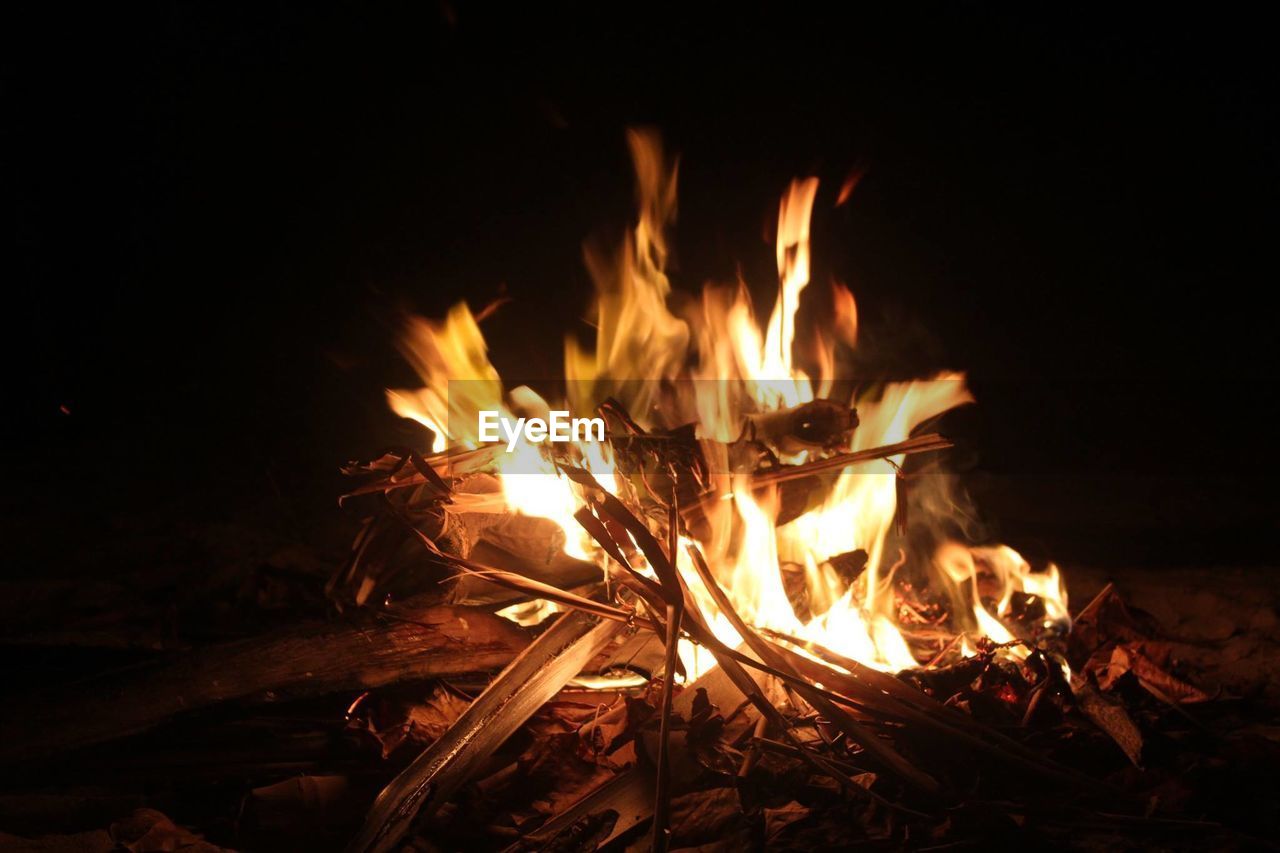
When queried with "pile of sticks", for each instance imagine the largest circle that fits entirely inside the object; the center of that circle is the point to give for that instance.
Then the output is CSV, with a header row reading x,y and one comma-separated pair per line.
x,y
783,743
886,723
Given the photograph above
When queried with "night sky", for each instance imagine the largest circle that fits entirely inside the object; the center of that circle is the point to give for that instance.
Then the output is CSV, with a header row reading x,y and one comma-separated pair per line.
x,y
220,214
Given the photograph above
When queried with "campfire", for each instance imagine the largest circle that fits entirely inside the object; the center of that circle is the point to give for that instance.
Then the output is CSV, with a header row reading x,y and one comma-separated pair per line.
x,y
759,570
783,472
714,588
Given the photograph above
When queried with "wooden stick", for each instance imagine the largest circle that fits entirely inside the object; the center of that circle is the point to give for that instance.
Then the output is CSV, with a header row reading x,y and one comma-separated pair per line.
x,y
753,754
662,793
518,691
363,650
468,460
919,444
446,464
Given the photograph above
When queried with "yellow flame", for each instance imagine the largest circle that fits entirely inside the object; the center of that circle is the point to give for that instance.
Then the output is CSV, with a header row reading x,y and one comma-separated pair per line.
x,y
962,566
638,340
443,353
776,376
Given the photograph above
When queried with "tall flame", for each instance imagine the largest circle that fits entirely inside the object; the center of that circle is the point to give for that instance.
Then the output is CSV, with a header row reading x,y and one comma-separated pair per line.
x,y
637,339
775,375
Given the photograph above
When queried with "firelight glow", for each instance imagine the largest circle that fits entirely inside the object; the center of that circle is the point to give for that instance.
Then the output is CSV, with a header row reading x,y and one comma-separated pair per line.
x,y
644,356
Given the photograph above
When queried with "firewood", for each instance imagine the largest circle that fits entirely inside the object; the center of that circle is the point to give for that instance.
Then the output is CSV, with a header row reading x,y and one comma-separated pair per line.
x,y
478,459
519,690
361,651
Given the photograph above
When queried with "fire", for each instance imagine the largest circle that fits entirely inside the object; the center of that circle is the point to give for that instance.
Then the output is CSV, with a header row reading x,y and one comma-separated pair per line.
x,y
715,365
793,273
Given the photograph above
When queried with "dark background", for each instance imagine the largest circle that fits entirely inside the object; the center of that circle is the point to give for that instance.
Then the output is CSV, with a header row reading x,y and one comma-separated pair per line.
x,y
219,213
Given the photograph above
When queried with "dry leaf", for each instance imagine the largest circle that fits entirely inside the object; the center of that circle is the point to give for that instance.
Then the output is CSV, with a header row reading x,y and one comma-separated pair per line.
x,y
1109,716
1105,620
776,820
605,737
430,719
1147,661
393,722
705,816
558,775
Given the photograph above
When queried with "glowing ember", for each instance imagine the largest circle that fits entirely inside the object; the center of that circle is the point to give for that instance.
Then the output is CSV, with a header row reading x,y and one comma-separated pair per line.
x,y
716,367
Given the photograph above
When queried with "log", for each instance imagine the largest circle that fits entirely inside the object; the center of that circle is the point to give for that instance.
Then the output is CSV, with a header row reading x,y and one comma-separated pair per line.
x,y
363,650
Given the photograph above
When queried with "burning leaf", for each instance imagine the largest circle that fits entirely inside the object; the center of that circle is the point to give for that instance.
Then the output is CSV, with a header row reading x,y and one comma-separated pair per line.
x,y
817,424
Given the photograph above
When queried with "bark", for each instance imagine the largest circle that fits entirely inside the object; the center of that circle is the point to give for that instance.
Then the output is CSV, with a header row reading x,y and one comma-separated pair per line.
x,y
361,651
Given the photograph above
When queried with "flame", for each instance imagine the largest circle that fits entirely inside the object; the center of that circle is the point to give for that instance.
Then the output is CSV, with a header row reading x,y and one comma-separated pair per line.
x,y
776,375
963,566
442,353
637,338
452,359
641,354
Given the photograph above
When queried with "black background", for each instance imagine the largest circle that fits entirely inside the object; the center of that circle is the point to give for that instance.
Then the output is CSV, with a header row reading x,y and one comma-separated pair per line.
x,y
220,211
